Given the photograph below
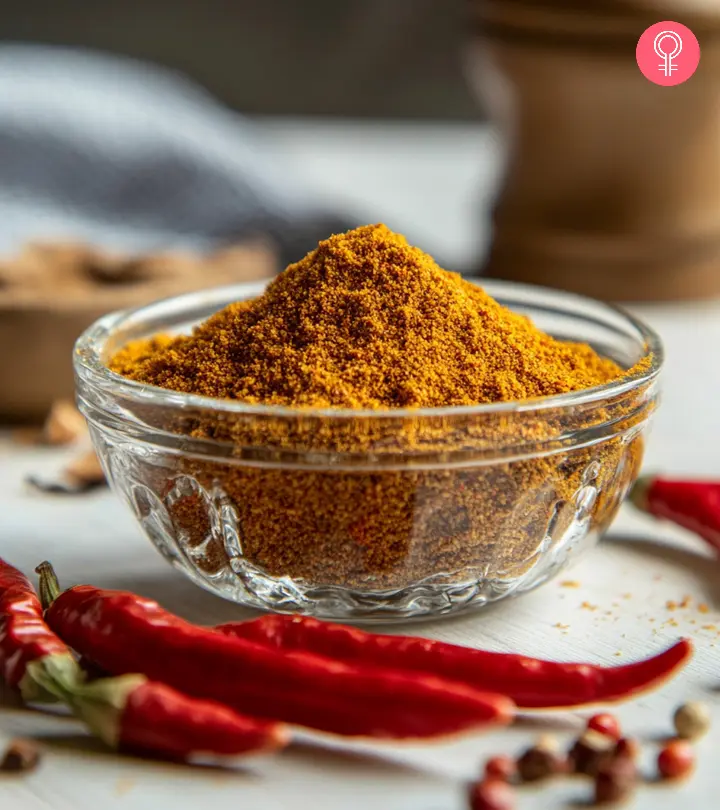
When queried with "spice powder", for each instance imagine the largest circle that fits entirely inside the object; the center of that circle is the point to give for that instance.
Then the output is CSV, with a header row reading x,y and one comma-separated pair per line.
x,y
367,322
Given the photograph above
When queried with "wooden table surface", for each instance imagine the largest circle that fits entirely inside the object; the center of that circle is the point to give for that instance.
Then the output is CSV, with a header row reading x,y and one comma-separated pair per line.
x,y
617,613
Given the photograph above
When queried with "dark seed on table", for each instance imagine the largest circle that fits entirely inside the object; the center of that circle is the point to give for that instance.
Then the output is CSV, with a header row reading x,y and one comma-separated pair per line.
x,y
627,747
590,751
615,781
538,763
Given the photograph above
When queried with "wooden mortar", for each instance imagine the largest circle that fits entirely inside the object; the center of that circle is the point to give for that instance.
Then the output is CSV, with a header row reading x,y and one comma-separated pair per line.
x,y
612,187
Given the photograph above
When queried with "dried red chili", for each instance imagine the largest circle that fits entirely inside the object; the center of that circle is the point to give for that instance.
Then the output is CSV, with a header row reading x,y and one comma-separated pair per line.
x,y
156,720
125,633
694,505
531,683
32,658
130,713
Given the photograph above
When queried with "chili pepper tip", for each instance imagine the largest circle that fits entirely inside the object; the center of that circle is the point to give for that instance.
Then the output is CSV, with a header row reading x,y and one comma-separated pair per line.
x,y
49,587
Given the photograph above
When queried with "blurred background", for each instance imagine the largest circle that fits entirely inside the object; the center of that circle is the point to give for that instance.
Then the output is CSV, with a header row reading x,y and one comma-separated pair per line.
x,y
311,80
152,147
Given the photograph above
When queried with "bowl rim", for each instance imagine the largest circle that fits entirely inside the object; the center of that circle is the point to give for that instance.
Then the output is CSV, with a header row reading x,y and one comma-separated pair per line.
x,y
87,360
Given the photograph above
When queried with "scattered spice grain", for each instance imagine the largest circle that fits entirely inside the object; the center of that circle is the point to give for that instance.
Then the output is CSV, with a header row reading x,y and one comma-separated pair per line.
x,y
365,321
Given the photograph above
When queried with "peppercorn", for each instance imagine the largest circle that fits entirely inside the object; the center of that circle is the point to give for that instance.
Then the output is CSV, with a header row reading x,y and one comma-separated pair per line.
x,y
590,751
692,720
615,780
540,761
606,724
501,767
492,794
628,748
676,759
20,755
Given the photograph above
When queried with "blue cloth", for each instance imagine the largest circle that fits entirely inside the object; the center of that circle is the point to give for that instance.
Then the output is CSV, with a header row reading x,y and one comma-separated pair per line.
x,y
133,157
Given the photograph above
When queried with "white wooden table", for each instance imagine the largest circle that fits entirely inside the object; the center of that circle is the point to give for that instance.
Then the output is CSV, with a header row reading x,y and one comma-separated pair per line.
x,y
624,586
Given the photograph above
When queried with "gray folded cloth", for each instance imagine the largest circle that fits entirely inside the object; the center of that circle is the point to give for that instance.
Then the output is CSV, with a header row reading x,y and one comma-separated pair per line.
x,y
129,156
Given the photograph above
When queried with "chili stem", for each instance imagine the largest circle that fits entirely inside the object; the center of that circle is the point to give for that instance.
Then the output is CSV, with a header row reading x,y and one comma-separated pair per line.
x,y
49,587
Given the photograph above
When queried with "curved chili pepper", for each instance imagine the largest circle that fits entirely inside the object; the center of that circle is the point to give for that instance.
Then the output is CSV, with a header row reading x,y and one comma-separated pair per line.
x,y
123,633
131,713
134,714
694,505
530,682
32,658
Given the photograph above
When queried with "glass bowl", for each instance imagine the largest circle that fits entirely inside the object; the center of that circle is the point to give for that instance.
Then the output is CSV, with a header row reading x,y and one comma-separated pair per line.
x,y
372,515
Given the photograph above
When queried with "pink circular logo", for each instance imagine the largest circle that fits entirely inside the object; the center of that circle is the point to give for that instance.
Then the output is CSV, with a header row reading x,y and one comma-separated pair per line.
x,y
668,53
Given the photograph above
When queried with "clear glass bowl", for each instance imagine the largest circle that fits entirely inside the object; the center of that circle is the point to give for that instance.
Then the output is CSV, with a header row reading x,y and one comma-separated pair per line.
x,y
372,515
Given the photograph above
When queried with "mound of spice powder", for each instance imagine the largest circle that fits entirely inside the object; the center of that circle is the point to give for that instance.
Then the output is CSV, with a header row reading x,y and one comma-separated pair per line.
x,y
365,321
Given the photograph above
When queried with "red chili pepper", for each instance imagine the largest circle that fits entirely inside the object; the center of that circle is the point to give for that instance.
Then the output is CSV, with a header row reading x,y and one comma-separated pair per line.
x,y
694,505
131,713
123,633
531,683
32,657
134,714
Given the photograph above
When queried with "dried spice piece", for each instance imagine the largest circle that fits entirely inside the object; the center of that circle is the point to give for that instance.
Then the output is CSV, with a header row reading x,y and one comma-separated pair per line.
x,y
615,781
692,720
590,751
367,321
491,794
85,471
64,425
83,474
124,633
627,747
676,759
530,682
539,762
20,756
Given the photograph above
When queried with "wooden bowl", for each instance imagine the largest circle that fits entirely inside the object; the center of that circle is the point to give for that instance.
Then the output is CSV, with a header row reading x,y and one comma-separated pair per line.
x,y
50,293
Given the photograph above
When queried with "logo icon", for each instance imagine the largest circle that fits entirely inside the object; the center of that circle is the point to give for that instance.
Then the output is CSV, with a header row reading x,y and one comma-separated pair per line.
x,y
668,53
668,64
